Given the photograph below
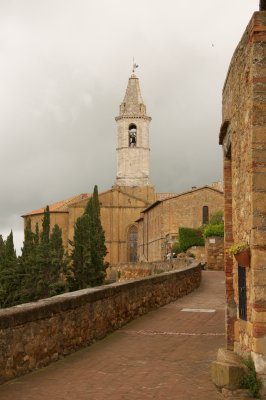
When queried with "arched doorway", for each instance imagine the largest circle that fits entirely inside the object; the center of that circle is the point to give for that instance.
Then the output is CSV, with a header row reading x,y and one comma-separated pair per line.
x,y
133,244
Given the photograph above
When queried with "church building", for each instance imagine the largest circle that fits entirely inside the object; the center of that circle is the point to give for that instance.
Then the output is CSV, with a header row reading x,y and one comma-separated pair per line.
x,y
123,205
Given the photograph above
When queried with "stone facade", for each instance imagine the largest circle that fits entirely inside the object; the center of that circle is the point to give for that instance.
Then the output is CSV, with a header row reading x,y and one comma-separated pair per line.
x,y
159,223
133,152
35,334
122,205
214,250
243,136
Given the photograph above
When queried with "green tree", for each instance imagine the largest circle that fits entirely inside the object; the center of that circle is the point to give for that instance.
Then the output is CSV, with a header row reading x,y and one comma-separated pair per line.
x,y
49,259
97,238
45,235
42,261
27,263
89,250
9,277
216,218
57,262
82,270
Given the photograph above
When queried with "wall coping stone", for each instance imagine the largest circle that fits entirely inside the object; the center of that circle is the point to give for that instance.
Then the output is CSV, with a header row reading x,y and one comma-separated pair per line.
x,y
46,308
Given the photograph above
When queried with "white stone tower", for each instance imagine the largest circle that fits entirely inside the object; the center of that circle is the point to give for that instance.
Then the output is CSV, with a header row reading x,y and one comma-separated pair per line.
x,y
133,152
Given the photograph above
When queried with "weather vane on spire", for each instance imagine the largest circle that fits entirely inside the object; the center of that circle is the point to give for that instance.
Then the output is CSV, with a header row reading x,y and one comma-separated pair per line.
x,y
135,66
262,5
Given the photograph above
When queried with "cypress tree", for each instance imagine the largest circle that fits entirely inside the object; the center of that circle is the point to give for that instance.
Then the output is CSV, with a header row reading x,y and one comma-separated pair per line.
x,y
9,279
88,266
82,272
45,235
98,248
2,248
28,264
58,264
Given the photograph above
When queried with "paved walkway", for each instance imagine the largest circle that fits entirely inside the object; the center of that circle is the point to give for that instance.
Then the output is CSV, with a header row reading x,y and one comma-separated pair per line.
x,y
164,355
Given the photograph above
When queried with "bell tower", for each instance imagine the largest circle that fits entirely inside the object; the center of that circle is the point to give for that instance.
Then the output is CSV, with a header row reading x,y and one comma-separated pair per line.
x,y
133,150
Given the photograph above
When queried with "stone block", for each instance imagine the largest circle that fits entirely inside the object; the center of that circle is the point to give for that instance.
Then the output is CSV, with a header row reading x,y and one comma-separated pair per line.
x,y
259,181
258,316
227,375
228,357
259,345
260,362
258,294
258,259
259,276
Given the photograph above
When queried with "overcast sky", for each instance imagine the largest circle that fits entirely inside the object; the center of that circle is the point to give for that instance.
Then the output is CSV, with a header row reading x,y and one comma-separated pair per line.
x,y
63,73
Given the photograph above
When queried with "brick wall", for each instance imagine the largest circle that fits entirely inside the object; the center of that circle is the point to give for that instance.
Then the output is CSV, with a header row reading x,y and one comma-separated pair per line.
x,y
36,334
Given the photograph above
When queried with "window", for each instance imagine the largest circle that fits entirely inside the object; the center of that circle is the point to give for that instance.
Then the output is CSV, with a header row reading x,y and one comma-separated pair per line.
x,y
205,215
132,135
242,293
132,243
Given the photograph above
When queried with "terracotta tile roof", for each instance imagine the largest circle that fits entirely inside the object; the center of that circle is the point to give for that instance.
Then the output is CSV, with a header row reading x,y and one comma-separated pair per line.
x,y
60,206
163,196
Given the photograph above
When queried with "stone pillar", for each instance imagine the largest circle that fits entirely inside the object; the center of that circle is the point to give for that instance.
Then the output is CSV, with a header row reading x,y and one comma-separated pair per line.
x,y
231,309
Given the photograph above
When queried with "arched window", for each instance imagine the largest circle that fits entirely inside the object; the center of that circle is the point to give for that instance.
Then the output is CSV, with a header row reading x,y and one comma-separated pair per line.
x,y
132,135
132,243
205,214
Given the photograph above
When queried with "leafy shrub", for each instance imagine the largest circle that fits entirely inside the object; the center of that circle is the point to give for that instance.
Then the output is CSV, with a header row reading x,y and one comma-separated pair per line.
x,y
213,230
189,237
250,380
216,218
237,248
176,248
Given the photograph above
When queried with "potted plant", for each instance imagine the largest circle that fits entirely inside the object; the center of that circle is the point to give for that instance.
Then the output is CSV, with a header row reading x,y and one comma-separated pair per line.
x,y
241,252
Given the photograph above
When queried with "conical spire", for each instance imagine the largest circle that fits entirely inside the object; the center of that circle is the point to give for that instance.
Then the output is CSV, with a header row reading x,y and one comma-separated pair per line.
x,y
133,104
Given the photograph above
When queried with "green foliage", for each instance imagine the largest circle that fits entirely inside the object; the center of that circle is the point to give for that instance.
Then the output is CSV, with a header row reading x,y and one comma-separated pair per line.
x,y
9,275
237,248
88,266
176,248
213,230
158,270
250,380
189,237
216,218
39,271
46,226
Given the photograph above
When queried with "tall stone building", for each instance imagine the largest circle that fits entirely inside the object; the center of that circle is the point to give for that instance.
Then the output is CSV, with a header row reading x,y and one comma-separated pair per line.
x,y
243,137
121,206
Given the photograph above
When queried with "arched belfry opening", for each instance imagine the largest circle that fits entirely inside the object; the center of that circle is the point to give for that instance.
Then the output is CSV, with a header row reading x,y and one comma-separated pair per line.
x,y
132,240
132,135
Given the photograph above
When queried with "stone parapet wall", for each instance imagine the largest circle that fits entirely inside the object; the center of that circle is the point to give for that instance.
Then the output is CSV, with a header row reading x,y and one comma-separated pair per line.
x,y
140,270
35,334
129,271
214,249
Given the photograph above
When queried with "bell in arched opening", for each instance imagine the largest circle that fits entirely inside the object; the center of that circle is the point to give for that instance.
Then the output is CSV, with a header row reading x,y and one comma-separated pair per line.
x,y
132,135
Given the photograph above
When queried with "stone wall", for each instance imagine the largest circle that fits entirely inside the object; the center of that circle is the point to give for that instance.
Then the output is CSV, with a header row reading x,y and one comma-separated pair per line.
x,y
129,271
159,227
214,250
243,136
35,334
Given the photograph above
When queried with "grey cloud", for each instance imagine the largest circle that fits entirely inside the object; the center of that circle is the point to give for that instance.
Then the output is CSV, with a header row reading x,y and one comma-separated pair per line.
x,y
63,73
